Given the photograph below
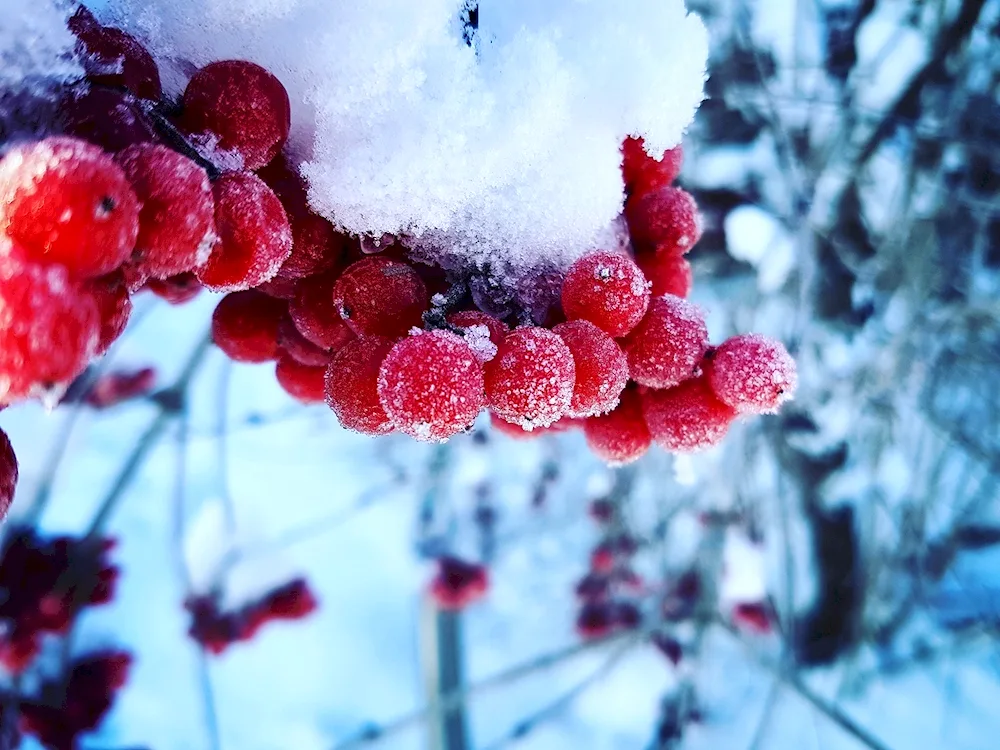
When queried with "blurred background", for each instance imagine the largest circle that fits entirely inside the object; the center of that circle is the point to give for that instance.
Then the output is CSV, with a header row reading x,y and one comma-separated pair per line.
x,y
826,578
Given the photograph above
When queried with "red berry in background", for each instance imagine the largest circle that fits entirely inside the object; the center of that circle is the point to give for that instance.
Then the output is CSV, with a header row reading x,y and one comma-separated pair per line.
x,y
65,201
315,315
292,601
667,347
294,344
49,329
470,320
622,436
753,616
108,118
176,224
593,587
517,432
245,326
687,417
530,380
666,273
114,58
242,105
176,290
642,173
114,306
594,621
601,368
665,220
117,387
8,474
378,296
431,385
352,385
752,373
254,237
316,246
307,383
626,615
608,289
602,559
458,583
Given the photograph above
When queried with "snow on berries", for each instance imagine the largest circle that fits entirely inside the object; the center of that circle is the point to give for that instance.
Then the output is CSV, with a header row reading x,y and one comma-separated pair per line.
x,y
752,373
8,474
379,296
601,368
642,173
665,221
431,385
686,418
245,326
621,436
352,385
608,289
668,345
530,381
65,201
483,332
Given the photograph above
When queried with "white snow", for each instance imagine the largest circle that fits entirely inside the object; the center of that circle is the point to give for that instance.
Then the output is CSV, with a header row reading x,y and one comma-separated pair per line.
x,y
35,45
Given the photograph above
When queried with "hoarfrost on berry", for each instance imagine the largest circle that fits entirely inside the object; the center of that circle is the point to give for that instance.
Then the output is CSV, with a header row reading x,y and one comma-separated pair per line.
x,y
668,345
753,374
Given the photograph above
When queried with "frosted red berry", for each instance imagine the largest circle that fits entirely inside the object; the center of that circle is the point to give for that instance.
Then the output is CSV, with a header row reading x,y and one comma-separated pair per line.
x,y
66,201
111,57
114,306
293,343
667,273
472,322
667,347
530,380
176,221
641,173
177,290
752,373
622,436
280,288
431,385
352,385
245,326
608,289
686,418
243,106
315,315
307,383
665,220
458,584
378,296
601,368
49,329
108,118
254,237
8,474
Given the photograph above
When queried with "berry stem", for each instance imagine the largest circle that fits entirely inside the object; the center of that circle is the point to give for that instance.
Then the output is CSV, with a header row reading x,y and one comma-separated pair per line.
x,y
437,316
176,140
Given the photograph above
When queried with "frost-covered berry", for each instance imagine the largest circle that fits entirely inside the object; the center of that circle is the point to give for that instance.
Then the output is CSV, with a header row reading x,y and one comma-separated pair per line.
x,y
530,381
293,343
378,296
242,105
315,315
608,289
601,368
622,436
458,584
8,474
665,220
108,118
176,224
642,173
666,273
687,417
114,58
307,383
65,201
245,326
752,373
176,290
517,432
114,307
475,324
352,385
431,385
668,345
254,237
280,288
49,328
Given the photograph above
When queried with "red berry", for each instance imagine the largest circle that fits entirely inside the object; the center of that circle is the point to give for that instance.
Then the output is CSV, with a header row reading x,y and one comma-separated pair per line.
x,y
601,368
752,373
458,583
431,385
303,382
116,387
315,315
642,173
622,436
114,306
602,559
472,321
108,118
686,418
530,381
668,345
245,326
517,432
114,58
352,385
242,105
176,225
665,220
8,474
48,328
608,289
378,296
254,237
754,616
297,346
176,290
316,247
595,620
667,273
281,288
65,201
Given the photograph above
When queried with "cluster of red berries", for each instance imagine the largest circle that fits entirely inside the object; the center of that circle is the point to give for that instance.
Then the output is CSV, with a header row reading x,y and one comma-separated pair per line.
x,y
216,629
457,583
